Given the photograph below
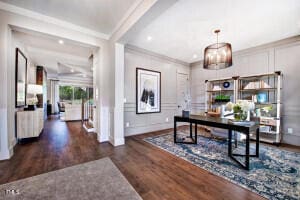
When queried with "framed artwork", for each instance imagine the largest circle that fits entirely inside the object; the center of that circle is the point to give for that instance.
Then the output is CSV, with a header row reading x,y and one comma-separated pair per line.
x,y
148,91
21,78
262,97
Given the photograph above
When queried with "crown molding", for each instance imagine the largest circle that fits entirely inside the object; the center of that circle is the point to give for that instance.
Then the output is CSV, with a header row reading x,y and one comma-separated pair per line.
x,y
274,44
52,20
151,53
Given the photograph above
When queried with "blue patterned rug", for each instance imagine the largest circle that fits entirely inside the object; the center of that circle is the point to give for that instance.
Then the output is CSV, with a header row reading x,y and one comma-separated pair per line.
x,y
274,175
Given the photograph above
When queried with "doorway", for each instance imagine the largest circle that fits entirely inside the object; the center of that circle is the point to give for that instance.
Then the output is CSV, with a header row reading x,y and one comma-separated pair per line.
x,y
182,91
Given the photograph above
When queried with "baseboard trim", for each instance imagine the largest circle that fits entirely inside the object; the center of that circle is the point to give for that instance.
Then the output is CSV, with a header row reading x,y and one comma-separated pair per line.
x,y
291,139
146,129
117,142
5,154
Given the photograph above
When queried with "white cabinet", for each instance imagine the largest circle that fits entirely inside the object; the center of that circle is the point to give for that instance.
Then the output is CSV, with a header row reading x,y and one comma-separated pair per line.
x,y
30,123
72,112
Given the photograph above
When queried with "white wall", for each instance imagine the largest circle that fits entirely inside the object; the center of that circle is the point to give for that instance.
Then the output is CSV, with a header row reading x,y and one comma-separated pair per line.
x,y
143,123
31,79
282,55
5,38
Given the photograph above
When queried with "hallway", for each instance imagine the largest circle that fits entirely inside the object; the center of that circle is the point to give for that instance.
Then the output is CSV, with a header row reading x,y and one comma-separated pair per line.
x,y
60,145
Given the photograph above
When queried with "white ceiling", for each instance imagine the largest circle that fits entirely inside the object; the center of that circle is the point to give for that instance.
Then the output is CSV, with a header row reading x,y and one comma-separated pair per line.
x,y
102,16
70,59
187,27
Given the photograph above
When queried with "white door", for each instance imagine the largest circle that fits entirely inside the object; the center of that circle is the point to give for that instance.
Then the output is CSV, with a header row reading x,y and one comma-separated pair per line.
x,y
182,91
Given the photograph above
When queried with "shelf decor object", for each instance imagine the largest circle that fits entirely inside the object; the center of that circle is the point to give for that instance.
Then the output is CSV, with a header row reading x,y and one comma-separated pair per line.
x,y
218,55
262,97
226,84
33,90
222,98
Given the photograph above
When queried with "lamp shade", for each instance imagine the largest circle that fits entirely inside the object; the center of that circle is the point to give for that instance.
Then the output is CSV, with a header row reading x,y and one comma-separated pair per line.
x,y
34,89
217,56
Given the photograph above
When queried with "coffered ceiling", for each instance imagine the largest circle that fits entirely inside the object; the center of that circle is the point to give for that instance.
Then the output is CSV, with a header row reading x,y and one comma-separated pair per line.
x,y
102,16
60,57
185,29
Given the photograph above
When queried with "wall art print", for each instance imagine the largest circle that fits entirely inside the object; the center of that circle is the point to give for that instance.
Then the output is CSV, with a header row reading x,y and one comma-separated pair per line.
x,y
148,91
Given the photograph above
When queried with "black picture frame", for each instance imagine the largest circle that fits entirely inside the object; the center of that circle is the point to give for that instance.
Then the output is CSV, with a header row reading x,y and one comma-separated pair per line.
x,y
20,79
158,109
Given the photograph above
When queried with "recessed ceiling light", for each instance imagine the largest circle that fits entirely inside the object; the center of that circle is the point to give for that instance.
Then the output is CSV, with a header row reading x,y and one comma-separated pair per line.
x,y
195,56
149,38
72,70
60,41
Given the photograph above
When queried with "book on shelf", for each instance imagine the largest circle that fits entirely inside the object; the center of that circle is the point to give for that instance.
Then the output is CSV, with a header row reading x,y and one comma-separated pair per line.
x,y
257,85
216,88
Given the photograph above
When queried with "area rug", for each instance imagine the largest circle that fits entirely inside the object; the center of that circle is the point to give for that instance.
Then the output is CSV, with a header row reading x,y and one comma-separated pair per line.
x,y
274,175
98,179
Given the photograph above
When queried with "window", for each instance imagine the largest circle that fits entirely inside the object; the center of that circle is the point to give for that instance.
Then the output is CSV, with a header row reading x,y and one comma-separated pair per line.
x,y
65,93
74,94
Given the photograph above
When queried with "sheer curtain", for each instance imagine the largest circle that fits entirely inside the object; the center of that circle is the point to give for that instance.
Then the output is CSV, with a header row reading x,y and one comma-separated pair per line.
x,y
54,95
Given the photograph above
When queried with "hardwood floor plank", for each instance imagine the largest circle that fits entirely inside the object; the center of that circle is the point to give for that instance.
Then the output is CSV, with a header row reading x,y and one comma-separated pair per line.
x,y
154,173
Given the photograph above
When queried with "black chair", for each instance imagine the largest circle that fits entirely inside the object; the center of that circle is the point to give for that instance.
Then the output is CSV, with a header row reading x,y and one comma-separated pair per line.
x,y
61,107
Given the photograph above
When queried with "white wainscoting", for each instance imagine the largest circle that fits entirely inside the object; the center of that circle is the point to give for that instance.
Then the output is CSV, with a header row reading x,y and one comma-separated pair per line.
x,y
282,55
142,123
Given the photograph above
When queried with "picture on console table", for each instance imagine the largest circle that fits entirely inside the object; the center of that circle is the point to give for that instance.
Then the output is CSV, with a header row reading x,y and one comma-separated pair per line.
x,y
148,91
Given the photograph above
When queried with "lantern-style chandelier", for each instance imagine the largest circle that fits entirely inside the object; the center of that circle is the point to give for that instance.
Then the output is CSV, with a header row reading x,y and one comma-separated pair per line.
x,y
217,56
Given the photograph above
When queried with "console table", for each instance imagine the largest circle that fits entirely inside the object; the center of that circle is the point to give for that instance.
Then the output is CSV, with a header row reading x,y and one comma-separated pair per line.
x,y
246,129
30,123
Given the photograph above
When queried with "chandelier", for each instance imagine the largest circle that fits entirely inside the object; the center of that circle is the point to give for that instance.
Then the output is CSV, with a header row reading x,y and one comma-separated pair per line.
x,y
218,55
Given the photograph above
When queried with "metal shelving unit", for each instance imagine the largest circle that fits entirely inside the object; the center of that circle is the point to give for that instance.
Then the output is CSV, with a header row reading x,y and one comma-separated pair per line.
x,y
252,88
215,88
268,108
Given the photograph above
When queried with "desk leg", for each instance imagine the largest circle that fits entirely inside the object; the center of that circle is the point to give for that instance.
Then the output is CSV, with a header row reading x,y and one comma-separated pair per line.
x,y
247,150
175,130
230,143
235,139
195,133
257,142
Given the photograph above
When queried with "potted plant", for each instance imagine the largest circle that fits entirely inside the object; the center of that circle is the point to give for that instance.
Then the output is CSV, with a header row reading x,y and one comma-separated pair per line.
x,y
240,109
222,98
32,103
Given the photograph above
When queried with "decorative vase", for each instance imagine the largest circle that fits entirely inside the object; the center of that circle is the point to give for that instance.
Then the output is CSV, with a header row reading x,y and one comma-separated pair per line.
x,y
186,113
31,107
240,116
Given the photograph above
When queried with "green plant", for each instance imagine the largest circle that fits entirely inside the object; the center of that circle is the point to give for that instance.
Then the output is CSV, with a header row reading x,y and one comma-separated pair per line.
x,y
240,109
222,97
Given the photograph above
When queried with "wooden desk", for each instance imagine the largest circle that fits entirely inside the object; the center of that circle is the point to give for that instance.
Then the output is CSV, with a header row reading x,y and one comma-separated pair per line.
x,y
225,124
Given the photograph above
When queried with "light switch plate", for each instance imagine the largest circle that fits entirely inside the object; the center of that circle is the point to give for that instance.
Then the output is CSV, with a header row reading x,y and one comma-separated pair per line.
x,y
127,124
290,131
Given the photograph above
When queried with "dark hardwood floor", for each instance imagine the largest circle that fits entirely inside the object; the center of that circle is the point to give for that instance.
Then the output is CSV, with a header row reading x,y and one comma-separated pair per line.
x,y
154,173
